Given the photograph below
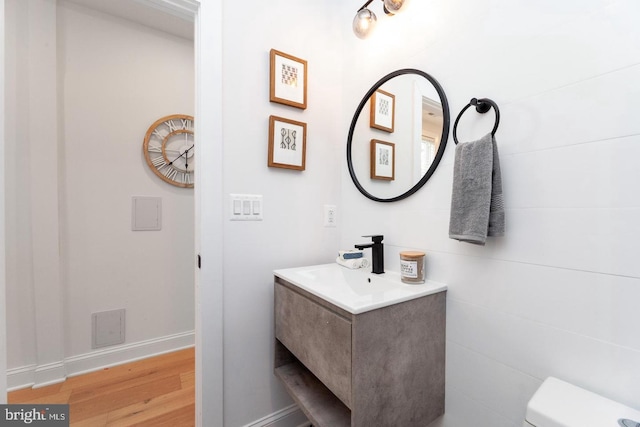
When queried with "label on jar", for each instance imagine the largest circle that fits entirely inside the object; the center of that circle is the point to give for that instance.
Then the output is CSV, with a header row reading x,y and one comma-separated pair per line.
x,y
409,269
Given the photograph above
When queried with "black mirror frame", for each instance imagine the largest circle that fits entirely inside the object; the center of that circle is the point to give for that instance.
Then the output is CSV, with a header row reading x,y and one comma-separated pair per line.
x,y
443,140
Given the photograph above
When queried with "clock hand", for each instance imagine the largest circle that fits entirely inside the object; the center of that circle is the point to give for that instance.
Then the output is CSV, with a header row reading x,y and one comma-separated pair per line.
x,y
186,159
185,152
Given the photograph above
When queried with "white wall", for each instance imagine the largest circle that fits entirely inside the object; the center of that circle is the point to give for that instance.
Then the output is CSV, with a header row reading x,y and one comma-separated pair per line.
x,y
291,233
114,78
119,78
558,294
33,269
21,337
3,331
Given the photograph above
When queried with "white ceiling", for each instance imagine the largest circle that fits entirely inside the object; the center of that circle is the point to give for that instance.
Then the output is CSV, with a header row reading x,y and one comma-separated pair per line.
x,y
146,12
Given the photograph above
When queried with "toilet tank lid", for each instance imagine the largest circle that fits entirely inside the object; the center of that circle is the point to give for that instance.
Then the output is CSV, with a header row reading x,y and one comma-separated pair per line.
x,y
560,404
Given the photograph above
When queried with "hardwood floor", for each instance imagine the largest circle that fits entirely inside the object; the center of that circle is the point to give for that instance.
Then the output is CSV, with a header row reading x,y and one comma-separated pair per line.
x,y
158,392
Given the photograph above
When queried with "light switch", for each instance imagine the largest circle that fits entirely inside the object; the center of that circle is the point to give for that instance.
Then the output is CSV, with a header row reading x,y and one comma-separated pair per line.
x,y
237,207
246,207
256,207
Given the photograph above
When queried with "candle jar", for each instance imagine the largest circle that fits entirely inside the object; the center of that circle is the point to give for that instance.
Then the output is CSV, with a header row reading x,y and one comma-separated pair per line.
x,y
412,266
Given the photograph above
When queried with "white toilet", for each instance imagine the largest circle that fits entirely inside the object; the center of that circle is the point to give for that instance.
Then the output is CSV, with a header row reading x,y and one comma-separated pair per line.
x,y
560,404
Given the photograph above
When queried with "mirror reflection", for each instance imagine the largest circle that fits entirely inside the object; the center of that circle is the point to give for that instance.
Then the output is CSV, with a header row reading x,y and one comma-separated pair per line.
x,y
398,135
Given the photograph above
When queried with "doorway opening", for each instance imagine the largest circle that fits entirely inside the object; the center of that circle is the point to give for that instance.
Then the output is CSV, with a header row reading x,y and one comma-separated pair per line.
x,y
71,252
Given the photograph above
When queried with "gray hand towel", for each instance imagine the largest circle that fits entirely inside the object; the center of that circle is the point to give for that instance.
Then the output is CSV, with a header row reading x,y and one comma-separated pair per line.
x,y
477,206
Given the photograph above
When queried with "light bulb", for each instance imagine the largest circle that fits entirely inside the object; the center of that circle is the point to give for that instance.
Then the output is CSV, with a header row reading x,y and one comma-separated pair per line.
x,y
395,6
364,23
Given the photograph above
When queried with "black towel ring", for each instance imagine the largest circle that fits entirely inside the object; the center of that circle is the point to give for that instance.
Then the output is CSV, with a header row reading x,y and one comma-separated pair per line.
x,y
482,106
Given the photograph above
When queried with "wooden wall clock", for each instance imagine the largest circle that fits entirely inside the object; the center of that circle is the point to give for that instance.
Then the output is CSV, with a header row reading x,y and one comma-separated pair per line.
x,y
170,151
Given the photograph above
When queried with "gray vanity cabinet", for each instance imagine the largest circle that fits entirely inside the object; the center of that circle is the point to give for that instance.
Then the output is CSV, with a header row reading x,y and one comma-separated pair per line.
x,y
382,368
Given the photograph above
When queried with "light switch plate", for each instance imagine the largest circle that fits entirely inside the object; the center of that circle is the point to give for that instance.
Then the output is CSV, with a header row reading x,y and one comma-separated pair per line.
x,y
246,207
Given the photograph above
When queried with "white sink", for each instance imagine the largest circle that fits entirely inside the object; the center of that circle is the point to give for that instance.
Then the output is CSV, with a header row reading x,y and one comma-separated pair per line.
x,y
356,291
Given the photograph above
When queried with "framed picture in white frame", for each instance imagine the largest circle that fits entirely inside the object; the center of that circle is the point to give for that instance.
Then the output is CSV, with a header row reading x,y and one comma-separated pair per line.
x,y
287,143
288,81
383,160
383,108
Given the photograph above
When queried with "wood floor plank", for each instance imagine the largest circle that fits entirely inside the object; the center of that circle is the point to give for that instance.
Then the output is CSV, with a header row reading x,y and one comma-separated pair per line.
x,y
156,408
28,394
188,379
139,378
158,391
184,417
97,421
121,398
114,373
61,397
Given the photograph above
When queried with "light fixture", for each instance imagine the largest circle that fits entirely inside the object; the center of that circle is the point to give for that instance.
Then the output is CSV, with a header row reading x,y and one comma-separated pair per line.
x,y
365,20
393,7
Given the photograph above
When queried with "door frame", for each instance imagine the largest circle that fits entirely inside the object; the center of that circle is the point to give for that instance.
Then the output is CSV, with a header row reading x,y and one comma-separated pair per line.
x,y
209,214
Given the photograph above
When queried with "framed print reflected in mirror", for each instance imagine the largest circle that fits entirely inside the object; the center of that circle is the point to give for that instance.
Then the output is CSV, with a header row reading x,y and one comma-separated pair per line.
x,y
383,161
383,107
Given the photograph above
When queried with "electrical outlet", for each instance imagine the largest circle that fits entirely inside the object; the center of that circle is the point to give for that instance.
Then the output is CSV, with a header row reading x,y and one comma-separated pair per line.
x,y
330,214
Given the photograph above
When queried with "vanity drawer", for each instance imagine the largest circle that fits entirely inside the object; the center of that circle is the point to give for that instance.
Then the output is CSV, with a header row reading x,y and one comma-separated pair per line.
x,y
318,337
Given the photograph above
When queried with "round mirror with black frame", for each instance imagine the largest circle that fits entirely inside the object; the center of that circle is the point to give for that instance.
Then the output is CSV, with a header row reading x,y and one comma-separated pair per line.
x,y
398,135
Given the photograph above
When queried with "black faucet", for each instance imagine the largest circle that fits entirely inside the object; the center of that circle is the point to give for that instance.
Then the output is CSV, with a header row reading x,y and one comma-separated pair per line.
x,y
377,252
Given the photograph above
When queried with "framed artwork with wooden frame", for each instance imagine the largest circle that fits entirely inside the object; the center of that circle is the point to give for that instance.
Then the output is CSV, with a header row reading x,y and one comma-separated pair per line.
x,y
383,160
287,143
288,83
383,108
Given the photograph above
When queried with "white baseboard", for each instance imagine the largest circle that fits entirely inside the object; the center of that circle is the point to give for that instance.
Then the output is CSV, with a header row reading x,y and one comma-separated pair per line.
x,y
291,416
117,355
22,377
51,373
